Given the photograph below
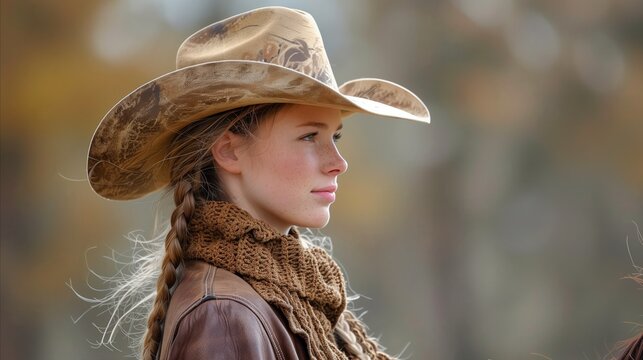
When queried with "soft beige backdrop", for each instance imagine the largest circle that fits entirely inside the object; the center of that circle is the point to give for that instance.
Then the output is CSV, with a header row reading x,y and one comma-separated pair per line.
x,y
500,231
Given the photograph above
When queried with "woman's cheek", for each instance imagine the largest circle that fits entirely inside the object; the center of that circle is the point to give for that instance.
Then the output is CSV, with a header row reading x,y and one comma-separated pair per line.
x,y
292,165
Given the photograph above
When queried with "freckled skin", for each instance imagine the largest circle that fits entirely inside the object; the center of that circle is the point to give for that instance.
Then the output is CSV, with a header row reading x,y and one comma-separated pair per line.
x,y
281,167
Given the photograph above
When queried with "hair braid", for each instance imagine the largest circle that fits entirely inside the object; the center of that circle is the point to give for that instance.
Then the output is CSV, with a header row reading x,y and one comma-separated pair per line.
x,y
170,268
352,337
348,341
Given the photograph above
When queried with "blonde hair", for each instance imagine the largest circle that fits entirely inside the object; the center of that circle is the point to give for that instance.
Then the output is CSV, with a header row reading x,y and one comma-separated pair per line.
x,y
143,287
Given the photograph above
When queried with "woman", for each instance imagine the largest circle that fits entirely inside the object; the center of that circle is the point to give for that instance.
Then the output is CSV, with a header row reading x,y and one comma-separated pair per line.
x,y
243,133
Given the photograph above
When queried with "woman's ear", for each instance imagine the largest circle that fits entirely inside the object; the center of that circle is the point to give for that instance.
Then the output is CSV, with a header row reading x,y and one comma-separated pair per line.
x,y
226,152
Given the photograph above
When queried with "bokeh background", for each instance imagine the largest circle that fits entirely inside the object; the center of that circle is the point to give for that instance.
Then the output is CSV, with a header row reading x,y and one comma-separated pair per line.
x,y
501,231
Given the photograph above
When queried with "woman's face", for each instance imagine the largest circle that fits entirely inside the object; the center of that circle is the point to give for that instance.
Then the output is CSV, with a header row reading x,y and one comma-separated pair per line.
x,y
288,171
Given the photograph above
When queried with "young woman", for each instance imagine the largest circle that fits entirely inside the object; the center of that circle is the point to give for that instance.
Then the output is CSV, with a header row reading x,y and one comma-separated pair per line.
x,y
243,133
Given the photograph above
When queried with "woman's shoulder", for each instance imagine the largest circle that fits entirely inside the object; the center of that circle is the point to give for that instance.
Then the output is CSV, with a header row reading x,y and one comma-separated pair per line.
x,y
213,303
201,281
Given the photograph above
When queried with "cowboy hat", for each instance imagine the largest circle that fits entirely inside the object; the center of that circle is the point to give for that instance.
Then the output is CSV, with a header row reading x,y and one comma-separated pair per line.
x,y
266,55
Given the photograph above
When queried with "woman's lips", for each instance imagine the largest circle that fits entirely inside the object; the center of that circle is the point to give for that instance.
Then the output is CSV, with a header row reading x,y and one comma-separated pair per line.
x,y
326,193
331,188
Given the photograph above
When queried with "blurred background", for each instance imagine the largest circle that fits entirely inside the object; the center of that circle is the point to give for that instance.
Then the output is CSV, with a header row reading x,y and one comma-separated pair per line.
x,y
501,231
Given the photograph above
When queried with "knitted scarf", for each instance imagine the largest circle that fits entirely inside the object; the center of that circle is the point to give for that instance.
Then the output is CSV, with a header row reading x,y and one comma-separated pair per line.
x,y
303,282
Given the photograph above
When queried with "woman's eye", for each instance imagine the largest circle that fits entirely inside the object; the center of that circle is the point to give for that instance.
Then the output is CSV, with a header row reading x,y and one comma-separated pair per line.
x,y
312,136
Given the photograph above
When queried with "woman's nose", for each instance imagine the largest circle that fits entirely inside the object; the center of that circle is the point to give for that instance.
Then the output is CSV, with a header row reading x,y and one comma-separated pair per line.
x,y
335,163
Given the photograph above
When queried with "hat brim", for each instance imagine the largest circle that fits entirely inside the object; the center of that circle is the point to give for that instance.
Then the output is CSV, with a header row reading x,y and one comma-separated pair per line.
x,y
145,121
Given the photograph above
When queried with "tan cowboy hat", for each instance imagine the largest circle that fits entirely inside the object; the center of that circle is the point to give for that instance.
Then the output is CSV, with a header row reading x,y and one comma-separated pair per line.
x,y
266,55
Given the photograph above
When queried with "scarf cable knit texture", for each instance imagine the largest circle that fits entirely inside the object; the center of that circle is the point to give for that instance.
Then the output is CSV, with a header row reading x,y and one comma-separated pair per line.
x,y
303,282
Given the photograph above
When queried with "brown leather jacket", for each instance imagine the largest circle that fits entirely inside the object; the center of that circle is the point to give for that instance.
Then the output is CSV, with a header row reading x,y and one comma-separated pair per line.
x,y
215,314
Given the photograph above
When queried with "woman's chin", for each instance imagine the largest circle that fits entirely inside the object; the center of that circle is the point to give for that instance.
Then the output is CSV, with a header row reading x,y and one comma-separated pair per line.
x,y
315,222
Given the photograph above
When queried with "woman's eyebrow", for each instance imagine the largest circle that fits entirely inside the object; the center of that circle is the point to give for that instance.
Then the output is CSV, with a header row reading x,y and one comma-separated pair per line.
x,y
320,125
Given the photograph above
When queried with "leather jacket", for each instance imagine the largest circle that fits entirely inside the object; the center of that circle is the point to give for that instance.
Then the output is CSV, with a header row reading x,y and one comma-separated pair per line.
x,y
214,314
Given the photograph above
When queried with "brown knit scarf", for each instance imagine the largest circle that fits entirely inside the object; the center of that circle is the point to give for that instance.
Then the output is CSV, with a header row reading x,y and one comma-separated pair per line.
x,y
303,282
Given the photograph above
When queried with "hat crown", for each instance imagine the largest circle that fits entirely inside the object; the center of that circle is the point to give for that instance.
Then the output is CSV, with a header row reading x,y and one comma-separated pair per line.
x,y
276,35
